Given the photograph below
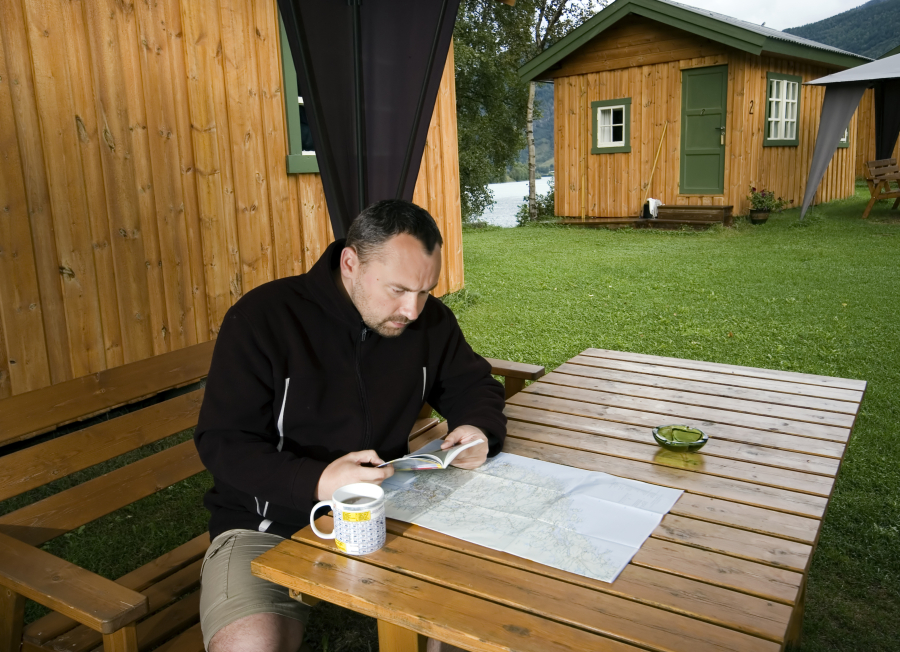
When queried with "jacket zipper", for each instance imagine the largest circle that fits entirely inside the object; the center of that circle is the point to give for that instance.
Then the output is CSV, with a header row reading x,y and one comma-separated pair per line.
x,y
367,436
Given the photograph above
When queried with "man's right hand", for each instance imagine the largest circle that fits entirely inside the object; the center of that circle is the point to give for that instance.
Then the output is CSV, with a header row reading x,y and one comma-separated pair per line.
x,y
348,469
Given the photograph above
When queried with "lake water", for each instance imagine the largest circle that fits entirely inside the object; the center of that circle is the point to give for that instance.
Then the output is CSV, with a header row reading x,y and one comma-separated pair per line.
x,y
509,196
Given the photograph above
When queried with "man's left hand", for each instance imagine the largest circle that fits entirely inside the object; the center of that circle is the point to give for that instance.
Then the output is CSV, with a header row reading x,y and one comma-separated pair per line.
x,y
471,458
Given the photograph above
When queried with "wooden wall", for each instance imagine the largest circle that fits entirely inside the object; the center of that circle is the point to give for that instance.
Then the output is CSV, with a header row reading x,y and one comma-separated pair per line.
x,y
143,187
865,143
643,60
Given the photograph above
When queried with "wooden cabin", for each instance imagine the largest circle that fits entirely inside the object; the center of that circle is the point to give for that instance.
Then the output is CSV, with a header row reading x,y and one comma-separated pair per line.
x,y
152,172
728,95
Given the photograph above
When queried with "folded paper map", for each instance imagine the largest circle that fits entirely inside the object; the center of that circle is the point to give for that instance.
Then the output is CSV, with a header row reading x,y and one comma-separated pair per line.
x,y
584,522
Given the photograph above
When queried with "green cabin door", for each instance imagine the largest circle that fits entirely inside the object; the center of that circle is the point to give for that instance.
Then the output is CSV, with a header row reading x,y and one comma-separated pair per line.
x,y
703,107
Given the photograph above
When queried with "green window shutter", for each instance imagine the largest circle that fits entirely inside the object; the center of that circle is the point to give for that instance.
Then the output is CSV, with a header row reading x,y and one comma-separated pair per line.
x,y
297,162
783,93
611,129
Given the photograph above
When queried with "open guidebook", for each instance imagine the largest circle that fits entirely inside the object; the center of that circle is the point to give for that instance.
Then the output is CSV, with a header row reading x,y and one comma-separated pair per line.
x,y
430,457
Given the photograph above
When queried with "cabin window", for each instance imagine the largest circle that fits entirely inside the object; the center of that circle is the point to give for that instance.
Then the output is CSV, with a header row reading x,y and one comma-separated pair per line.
x,y
611,126
301,157
782,109
844,142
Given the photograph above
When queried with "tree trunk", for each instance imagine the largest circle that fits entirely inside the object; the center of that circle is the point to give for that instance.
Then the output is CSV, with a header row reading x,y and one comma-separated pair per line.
x,y
529,134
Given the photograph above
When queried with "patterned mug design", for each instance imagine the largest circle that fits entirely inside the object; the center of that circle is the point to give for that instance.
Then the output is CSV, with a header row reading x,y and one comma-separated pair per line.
x,y
359,526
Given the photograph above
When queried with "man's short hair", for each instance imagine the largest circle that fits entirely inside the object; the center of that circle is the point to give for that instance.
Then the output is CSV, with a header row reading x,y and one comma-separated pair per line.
x,y
383,220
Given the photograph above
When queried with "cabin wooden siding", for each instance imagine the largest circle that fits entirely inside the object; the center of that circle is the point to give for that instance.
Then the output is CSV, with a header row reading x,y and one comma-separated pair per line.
x,y
143,186
643,60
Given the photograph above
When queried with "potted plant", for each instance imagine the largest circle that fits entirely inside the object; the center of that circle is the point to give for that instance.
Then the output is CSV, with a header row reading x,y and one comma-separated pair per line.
x,y
763,202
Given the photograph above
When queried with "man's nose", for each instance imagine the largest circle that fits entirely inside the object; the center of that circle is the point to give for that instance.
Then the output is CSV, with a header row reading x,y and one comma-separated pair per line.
x,y
409,307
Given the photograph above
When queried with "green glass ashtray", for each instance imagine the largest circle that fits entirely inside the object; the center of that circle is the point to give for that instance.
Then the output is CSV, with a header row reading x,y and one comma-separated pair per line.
x,y
680,438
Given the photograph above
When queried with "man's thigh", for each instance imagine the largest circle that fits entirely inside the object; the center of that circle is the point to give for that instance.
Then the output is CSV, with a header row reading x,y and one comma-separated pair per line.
x,y
229,591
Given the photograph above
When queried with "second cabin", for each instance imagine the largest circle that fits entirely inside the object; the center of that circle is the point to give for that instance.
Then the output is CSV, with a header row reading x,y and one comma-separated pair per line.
x,y
718,104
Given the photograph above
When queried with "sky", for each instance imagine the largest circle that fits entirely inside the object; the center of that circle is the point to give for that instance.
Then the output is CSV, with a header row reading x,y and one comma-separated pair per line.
x,y
779,14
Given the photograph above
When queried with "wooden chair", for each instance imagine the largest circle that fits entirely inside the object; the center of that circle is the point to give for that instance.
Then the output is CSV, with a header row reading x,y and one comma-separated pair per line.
x,y
881,173
156,605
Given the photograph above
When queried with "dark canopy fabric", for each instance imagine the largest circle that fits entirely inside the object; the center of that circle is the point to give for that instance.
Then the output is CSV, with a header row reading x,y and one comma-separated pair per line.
x,y
887,117
843,91
369,73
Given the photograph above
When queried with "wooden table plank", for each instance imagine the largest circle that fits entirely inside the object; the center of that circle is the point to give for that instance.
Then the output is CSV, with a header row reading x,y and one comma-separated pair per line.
x,y
723,389
734,490
717,446
429,609
687,397
746,613
746,517
702,416
753,372
805,445
649,451
553,599
769,582
653,371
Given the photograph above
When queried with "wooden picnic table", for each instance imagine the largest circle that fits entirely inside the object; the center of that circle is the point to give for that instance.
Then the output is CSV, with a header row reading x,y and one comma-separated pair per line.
x,y
725,570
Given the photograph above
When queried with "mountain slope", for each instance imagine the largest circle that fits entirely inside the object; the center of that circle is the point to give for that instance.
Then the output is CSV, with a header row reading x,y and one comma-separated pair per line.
x,y
870,29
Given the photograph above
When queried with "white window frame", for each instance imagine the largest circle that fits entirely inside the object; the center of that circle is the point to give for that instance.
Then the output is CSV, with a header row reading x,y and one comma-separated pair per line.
x,y
610,127
782,109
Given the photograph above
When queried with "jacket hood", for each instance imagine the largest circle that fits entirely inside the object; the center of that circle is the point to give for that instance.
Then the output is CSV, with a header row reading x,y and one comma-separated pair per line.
x,y
323,289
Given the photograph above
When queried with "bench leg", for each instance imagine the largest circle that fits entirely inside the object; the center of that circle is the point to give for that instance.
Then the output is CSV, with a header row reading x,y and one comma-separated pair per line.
x,y
393,638
513,386
12,616
124,640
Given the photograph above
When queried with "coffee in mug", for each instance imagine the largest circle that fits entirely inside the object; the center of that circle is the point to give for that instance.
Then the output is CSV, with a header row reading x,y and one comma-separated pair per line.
x,y
359,527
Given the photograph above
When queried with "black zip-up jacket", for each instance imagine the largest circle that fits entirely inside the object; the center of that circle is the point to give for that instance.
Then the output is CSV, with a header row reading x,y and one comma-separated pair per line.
x,y
297,381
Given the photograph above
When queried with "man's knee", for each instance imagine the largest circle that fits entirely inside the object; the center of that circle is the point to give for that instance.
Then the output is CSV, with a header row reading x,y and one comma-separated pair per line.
x,y
259,633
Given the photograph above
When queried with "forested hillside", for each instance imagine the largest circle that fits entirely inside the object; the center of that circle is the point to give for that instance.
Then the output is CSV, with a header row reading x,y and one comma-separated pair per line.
x,y
870,29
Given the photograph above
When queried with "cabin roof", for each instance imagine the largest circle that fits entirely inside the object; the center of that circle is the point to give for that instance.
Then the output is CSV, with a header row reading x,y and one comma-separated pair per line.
x,y
734,32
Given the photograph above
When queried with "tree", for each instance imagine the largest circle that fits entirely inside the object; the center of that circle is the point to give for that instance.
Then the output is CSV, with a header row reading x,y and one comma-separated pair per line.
x,y
552,19
491,40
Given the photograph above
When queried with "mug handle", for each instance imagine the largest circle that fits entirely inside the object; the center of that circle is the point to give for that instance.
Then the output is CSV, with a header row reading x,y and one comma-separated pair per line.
x,y
312,522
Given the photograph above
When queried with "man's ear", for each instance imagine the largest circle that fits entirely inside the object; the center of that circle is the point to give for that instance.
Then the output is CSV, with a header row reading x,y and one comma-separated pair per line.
x,y
349,262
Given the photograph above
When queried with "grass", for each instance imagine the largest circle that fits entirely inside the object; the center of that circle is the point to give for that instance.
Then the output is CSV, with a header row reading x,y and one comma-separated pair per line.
x,y
821,297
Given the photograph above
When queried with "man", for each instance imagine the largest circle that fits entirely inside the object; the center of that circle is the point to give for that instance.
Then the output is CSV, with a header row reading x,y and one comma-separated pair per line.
x,y
315,380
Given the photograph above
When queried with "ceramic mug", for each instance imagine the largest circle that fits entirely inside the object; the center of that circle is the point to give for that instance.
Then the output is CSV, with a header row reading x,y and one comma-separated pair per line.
x,y
359,527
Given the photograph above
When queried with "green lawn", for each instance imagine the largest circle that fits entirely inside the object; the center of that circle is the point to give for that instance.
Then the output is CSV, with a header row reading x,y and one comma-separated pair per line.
x,y
819,298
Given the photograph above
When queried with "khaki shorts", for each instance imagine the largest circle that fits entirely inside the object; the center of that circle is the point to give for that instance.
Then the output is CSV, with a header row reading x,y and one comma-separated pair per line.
x,y
229,591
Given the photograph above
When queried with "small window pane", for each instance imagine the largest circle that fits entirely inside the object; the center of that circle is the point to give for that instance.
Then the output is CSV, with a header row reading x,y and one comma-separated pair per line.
x,y
618,134
618,115
605,117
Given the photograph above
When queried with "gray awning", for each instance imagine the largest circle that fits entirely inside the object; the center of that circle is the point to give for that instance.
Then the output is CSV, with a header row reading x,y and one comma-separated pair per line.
x,y
843,91
881,69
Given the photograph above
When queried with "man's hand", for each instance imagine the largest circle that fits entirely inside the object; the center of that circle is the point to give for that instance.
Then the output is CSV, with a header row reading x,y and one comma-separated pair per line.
x,y
471,458
348,469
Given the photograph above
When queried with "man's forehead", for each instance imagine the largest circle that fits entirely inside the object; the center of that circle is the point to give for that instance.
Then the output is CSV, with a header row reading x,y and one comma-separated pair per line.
x,y
404,258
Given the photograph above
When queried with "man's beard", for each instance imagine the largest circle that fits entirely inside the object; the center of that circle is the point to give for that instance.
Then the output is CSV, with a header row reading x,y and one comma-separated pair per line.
x,y
382,327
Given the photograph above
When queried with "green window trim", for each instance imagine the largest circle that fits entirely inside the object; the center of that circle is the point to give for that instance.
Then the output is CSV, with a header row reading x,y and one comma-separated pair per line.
x,y
297,162
624,102
844,142
782,142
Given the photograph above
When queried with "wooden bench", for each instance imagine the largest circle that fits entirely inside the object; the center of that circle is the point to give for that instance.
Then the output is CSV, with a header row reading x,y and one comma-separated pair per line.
x,y
156,604
881,173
